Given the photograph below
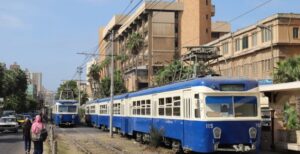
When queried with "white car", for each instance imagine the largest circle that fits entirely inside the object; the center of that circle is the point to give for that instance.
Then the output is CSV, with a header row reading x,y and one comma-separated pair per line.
x,y
9,124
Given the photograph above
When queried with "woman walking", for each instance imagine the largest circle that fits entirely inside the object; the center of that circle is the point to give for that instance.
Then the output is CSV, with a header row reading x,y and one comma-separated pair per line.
x,y
26,135
36,131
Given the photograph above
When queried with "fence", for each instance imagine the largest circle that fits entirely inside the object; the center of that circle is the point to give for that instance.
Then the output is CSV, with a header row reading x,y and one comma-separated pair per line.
x,y
52,141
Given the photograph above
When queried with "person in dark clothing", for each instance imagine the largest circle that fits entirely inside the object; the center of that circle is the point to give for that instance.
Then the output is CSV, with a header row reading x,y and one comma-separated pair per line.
x,y
26,135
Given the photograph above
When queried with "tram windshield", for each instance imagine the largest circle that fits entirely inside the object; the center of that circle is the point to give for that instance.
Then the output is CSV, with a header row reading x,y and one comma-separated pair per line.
x,y
65,108
231,106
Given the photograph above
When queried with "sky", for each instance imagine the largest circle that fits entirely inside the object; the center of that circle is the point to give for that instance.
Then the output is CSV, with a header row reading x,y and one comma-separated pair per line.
x,y
46,35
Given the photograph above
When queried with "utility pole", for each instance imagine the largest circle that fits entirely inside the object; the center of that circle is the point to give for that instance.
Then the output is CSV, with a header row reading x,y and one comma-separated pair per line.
x,y
111,84
79,70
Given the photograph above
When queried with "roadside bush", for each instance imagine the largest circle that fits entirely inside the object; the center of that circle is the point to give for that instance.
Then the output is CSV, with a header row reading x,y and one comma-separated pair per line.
x,y
156,136
291,117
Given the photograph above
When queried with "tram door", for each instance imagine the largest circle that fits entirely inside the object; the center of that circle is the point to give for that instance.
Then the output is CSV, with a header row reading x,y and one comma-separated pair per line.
x,y
187,109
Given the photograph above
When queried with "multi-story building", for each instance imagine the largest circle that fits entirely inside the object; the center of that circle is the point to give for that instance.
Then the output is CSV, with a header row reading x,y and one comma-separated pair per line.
x,y
90,87
253,51
166,29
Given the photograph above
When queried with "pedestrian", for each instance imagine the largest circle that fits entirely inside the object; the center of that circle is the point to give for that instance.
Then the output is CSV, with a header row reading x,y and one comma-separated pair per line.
x,y
36,131
26,135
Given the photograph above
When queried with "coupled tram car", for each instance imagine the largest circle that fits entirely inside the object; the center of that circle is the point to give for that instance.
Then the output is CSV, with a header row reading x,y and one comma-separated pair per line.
x,y
202,115
65,112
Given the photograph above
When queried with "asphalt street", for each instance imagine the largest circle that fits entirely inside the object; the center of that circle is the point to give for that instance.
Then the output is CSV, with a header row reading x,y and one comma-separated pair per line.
x,y
11,143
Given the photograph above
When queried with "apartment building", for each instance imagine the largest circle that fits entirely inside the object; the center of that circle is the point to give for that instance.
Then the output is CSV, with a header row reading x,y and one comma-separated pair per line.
x,y
253,52
165,27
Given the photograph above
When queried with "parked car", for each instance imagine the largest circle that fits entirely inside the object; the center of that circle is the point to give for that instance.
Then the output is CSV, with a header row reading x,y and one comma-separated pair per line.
x,y
9,123
8,113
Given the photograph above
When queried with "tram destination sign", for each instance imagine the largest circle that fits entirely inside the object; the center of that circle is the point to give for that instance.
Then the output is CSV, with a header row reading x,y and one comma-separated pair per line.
x,y
232,87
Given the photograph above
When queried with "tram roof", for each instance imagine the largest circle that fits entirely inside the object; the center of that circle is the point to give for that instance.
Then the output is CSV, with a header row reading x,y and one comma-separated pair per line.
x,y
67,101
211,82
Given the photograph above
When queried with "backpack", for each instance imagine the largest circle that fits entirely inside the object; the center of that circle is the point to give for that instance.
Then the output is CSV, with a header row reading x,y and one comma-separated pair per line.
x,y
42,136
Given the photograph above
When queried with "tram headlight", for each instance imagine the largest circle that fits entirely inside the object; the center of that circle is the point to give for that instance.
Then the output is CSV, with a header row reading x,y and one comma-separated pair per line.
x,y
73,116
252,132
217,132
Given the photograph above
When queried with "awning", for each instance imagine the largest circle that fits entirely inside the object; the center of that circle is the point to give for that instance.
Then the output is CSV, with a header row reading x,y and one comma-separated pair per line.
x,y
290,86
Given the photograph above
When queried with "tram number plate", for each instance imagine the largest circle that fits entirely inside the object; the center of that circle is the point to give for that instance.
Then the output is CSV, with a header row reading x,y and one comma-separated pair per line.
x,y
209,126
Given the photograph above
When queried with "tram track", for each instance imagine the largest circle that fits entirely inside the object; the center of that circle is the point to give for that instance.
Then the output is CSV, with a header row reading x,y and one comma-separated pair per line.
x,y
89,138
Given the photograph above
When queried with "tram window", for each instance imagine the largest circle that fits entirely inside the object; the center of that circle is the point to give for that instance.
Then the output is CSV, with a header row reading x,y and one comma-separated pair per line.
x,y
93,110
138,110
116,108
161,109
143,106
245,106
176,107
103,109
197,106
134,108
161,101
219,106
169,106
148,107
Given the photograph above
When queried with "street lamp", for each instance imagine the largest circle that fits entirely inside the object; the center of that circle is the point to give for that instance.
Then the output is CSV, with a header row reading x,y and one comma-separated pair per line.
x,y
272,53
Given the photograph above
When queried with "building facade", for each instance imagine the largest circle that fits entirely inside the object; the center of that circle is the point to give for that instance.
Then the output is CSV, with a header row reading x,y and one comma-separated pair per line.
x,y
253,52
166,28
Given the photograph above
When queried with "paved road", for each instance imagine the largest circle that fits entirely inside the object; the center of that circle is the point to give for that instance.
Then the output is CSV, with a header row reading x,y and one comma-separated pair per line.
x,y
11,143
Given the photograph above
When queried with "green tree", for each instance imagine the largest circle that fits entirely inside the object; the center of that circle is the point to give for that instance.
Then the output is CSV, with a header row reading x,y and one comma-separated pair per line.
x,y
176,71
291,117
2,69
14,89
119,87
135,44
287,70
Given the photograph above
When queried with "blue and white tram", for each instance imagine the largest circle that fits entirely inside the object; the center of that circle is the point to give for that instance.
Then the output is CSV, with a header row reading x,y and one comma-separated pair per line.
x,y
202,115
65,112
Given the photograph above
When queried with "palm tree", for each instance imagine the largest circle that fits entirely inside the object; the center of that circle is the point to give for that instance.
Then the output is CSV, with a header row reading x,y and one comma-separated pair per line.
x,y
135,44
287,70
95,78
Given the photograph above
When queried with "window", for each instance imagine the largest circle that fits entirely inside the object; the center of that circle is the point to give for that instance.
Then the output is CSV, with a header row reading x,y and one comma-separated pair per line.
x,y
295,32
176,106
231,106
116,108
138,108
134,108
93,109
266,34
197,107
161,108
103,109
254,39
148,107
142,107
237,44
225,48
169,106
245,42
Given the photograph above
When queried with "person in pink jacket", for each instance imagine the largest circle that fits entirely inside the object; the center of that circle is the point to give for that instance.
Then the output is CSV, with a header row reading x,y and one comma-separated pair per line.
x,y
36,130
